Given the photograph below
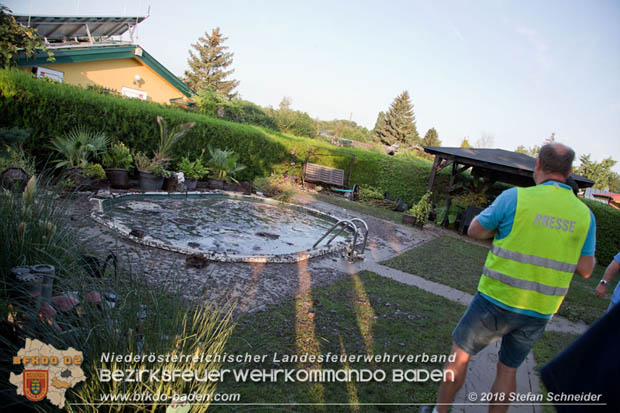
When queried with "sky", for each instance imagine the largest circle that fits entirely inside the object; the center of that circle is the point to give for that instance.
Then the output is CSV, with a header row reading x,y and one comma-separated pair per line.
x,y
516,71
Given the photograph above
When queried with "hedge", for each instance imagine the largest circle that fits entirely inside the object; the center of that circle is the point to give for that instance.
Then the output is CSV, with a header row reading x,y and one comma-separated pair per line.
x,y
50,109
607,230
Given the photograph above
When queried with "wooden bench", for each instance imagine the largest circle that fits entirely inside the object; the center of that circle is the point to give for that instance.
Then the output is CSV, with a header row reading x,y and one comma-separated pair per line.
x,y
323,174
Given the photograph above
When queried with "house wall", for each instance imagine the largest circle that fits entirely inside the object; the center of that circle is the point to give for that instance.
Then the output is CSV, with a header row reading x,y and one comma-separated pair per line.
x,y
116,74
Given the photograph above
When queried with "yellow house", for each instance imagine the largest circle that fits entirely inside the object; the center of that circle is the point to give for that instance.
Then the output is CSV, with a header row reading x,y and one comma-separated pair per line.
x,y
95,59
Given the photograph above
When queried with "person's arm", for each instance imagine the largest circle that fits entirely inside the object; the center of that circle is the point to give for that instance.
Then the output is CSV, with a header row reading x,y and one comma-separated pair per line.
x,y
488,222
476,230
611,270
585,266
586,262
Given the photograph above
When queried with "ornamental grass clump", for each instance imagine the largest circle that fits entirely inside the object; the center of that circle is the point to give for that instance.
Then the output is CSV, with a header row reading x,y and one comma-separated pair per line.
x,y
118,313
33,230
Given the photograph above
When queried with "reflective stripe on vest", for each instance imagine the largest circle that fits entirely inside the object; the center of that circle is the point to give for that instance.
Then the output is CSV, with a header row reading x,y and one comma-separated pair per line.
x,y
534,260
525,285
532,267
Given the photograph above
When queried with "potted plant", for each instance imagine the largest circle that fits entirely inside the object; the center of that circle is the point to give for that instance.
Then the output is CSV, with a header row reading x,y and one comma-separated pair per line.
x,y
223,165
77,147
192,170
15,166
418,214
117,162
168,138
151,172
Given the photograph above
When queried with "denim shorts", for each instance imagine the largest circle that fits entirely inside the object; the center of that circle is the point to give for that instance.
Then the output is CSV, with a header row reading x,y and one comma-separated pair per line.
x,y
484,322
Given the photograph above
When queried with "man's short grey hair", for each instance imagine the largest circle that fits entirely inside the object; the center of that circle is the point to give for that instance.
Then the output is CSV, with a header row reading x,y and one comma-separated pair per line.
x,y
556,158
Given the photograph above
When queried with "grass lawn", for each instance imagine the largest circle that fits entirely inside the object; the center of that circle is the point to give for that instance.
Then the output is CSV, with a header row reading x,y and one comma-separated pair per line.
x,y
376,212
550,345
363,314
458,263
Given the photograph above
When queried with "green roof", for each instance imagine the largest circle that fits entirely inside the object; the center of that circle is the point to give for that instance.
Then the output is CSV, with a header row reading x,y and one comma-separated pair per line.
x,y
95,53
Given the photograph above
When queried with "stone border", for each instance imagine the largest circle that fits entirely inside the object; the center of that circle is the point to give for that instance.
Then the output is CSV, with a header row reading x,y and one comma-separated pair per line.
x,y
96,214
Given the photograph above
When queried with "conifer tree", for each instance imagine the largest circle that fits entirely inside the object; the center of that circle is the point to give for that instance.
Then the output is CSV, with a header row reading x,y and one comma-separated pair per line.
x,y
207,66
398,124
431,138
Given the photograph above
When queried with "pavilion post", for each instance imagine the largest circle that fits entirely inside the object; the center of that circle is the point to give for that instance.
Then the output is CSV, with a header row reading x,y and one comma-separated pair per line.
x,y
434,170
453,175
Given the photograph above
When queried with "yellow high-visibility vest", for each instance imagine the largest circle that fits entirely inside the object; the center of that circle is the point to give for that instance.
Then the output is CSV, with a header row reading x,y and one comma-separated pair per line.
x,y
532,267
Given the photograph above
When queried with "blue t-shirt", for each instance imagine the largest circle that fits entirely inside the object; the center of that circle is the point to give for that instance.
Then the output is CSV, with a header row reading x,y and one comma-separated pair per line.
x,y
615,297
500,215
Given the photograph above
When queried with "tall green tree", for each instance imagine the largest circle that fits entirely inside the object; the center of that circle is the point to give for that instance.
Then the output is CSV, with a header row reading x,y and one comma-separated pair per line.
x,y
398,124
15,38
207,67
600,172
532,151
431,138
292,121
379,124
465,143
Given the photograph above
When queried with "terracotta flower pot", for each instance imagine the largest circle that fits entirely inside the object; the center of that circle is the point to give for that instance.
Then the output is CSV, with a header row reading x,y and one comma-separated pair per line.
x,y
118,178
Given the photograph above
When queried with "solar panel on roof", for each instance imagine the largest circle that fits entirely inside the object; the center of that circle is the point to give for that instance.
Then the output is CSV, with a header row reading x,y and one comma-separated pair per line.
x,y
59,28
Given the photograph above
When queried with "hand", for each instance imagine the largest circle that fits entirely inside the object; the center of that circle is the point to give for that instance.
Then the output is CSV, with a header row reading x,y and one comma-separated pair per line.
x,y
601,290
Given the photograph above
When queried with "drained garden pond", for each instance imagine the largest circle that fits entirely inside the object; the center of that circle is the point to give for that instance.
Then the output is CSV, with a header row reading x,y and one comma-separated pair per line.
x,y
217,223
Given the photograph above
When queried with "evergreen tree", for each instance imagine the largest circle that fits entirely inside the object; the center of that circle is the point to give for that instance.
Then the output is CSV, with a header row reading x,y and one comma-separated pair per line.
x,y
431,138
399,123
207,66
599,172
465,143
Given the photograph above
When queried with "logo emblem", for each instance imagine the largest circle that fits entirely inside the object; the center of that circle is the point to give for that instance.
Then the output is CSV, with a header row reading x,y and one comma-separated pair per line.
x,y
35,384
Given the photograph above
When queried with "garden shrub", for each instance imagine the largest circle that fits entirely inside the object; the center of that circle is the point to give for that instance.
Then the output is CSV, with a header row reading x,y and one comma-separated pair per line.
x,y
215,105
607,230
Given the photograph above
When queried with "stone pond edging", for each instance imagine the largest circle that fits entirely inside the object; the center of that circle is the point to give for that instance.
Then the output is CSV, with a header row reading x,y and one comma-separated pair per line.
x,y
97,214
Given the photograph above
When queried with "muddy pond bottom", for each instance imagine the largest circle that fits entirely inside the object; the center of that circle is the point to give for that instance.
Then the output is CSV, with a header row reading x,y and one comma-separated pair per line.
x,y
226,225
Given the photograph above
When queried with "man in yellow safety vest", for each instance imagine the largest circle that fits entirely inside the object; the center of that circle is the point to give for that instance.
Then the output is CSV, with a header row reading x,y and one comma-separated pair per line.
x,y
542,236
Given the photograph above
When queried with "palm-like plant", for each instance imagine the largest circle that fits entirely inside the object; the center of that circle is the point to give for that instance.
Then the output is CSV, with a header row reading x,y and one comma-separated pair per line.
x,y
79,145
224,164
167,138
